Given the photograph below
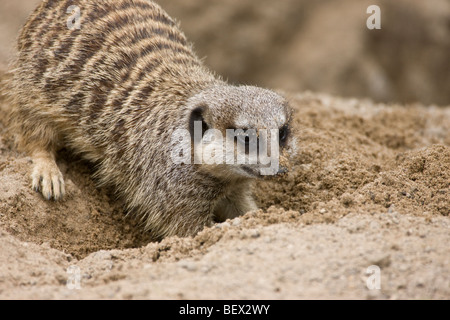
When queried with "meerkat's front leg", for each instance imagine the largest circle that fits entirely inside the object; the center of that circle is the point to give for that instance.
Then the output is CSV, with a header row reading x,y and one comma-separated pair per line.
x,y
46,176
236,203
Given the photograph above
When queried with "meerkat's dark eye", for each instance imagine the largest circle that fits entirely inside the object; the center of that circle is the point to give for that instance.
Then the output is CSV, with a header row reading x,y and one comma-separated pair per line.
x,y
283,134
197,116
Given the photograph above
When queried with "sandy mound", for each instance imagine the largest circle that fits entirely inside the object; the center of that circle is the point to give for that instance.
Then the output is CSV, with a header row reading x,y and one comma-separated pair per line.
x,y
369,186
247,260
354,154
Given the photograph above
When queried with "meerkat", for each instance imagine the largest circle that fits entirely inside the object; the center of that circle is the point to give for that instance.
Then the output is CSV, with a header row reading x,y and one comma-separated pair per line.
x,y
113,83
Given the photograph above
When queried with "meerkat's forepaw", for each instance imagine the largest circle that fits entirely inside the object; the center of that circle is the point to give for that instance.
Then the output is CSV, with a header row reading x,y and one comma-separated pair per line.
x,y
48,179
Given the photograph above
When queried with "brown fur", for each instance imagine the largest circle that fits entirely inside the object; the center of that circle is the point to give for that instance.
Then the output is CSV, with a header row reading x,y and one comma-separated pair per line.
x,y
114,91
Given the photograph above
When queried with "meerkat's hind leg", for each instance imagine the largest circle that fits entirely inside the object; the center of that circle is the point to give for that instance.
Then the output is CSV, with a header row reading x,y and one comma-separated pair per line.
x,y
46,176
238,202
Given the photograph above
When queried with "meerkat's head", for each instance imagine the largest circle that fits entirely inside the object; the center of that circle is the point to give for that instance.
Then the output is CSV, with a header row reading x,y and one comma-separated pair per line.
x,y
240,131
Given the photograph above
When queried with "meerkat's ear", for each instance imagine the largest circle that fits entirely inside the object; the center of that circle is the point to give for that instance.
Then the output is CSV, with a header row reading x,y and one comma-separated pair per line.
x,y
198,114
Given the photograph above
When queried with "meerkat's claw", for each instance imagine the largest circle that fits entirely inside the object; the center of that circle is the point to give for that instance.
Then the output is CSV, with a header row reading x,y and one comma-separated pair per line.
x,y
48,179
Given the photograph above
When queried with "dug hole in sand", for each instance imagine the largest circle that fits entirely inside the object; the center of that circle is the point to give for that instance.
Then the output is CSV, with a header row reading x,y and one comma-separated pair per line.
x,y
369,187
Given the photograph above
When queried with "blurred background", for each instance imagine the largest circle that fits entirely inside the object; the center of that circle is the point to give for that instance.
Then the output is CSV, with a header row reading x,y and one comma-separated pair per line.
x,y
298,45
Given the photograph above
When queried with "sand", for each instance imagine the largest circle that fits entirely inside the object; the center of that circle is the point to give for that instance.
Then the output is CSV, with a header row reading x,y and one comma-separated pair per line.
x,y
369,186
